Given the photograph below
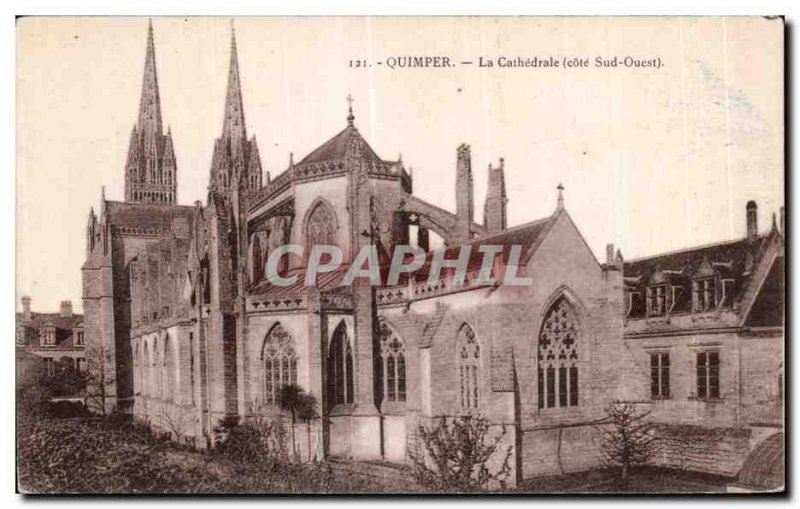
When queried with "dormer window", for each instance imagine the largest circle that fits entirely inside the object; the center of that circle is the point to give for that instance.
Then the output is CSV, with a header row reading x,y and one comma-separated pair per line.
x,y
47,336
726,301
705,294
658,300
80,339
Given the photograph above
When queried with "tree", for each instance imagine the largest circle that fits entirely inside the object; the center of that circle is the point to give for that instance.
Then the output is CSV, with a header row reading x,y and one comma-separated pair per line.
x,y
96,380
629,441
456,455
301,406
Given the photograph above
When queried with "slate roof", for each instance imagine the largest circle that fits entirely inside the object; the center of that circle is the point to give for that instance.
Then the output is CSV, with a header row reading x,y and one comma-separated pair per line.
x,y
147,215
64,328
768,309
325,281
729,260
336,148
524,235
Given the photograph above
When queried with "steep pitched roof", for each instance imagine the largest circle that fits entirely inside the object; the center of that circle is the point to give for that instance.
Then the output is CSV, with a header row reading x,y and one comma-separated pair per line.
x,y
64,327
734,260
767,310
734,254
525,235
148,215
336,148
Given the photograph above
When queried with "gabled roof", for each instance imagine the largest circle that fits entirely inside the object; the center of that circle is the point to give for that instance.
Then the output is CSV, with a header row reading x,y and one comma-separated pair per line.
x,y
525,235
336,148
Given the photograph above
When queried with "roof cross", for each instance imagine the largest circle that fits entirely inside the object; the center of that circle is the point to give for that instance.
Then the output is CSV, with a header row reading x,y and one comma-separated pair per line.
x,y
350,116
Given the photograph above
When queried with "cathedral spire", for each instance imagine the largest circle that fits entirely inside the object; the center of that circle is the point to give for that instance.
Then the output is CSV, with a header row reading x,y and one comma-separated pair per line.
x,y
149,125
235,161
233,128
150,171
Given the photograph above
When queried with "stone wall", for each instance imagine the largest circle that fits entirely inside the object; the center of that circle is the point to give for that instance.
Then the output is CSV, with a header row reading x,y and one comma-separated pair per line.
x,y
718,451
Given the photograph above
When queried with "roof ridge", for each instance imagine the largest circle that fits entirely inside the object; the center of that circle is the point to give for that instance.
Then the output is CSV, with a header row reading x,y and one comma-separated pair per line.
x,y
510,230
689,249
143,204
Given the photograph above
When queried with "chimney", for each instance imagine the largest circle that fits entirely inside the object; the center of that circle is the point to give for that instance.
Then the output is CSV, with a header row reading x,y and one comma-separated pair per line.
x,y
494,209
66,308
464,198
26,308
752,220
609,254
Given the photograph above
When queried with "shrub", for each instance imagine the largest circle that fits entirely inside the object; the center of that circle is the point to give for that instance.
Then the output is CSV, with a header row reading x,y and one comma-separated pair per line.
x,y
88,456
257,444
456,454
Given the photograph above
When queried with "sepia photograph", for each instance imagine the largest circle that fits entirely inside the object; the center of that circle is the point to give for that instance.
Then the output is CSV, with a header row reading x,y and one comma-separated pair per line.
x,y
400,255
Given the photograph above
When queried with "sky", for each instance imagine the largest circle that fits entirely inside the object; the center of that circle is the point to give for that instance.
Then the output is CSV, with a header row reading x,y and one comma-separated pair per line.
x,y
652,159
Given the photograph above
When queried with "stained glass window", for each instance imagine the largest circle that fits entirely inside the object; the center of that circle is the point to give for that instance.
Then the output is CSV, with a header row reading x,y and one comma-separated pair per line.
x,y
280,362
393,353
468,360
557,377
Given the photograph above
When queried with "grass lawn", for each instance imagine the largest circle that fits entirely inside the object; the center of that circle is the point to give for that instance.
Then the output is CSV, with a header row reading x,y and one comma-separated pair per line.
x,y
642,480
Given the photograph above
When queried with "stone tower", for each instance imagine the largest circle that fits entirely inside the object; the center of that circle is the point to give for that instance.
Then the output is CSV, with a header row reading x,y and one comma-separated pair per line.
x,y
151,170
494,210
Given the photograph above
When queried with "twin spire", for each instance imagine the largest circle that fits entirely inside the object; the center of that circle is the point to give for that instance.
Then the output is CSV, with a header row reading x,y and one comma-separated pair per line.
x,y
151,170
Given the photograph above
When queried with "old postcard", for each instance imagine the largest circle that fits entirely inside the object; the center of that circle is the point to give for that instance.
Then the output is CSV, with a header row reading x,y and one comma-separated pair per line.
x,y
400,255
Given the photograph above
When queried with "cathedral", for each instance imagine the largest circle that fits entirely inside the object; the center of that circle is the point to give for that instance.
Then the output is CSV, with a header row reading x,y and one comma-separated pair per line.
x,y
190,330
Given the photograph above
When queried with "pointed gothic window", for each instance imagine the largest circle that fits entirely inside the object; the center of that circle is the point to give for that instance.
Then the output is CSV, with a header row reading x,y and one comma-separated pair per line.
x,y
280,363
340,368
557,375
321,226
468,353
393,355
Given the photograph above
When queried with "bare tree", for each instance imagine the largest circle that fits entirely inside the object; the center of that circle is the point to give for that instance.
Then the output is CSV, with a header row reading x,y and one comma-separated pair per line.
x,y
456,455
626,440
95,380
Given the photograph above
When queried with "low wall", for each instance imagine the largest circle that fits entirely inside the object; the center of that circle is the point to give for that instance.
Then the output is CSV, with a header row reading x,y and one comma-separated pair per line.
x,y
719,451
559,450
